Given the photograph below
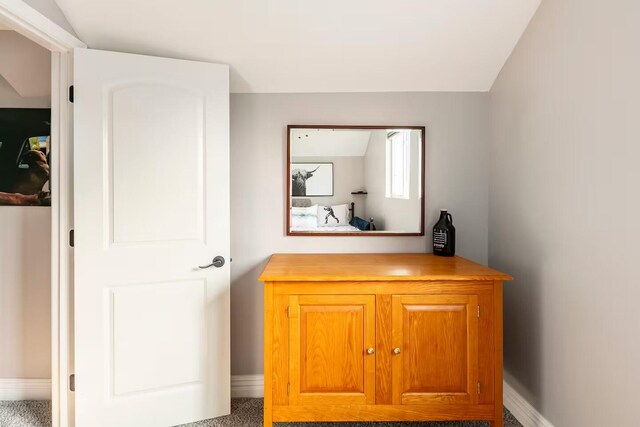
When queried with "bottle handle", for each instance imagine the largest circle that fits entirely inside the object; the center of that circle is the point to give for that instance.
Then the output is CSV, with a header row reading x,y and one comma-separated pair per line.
x,y
450,218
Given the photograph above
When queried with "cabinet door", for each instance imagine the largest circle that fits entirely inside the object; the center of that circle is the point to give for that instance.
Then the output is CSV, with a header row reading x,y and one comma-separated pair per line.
x,y
329,339
435,349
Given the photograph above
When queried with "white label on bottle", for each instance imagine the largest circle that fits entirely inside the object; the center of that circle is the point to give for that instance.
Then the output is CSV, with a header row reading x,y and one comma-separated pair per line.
x,y
439,239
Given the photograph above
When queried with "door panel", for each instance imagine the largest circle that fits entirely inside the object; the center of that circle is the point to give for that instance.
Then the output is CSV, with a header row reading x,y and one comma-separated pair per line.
x,y
140,118
330,336
151,182
139,352
437,338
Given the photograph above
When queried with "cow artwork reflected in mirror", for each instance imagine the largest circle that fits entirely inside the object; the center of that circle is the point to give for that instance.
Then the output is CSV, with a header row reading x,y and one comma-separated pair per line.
x,y
299,181
355,180
312,179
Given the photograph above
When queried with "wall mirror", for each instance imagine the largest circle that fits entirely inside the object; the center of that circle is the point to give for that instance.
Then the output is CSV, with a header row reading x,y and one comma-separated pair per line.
x,y
355,180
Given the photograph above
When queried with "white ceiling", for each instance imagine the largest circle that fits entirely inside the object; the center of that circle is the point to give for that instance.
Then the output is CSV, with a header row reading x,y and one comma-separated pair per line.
x,y
318,46
329,142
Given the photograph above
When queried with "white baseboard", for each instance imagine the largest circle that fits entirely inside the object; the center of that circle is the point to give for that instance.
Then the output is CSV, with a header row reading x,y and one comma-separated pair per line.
x,y
252,386
25,389
523,410
40,389
247,386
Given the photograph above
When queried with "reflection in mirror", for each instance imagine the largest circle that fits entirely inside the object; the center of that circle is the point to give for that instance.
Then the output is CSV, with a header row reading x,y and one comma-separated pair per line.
x,y
356,180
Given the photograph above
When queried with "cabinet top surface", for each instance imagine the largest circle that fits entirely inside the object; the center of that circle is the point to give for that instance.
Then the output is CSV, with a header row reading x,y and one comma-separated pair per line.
x,y
374,267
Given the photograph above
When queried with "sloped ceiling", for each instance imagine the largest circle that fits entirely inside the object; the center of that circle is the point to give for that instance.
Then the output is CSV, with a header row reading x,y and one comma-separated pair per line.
x,y
329,143
25,65
318,46
50,9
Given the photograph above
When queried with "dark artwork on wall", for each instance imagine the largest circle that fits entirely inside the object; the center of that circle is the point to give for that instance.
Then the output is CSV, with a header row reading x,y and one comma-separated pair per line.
x,y
312,179
25,146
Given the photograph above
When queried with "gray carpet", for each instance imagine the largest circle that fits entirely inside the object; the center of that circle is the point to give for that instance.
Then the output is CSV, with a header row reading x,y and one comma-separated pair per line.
x,y
25,413
244,412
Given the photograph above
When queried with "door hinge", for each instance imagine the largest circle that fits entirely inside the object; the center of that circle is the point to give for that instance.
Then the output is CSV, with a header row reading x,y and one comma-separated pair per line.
x,y
71,93
72,237
478,312
288,311
72,382
288,388
478,387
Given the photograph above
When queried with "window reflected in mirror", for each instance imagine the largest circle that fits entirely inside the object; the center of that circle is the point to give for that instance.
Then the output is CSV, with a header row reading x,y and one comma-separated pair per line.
x,y
355,180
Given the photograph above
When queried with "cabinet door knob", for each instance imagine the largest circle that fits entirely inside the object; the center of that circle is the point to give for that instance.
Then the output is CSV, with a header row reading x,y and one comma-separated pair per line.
x,y
370,350
396,350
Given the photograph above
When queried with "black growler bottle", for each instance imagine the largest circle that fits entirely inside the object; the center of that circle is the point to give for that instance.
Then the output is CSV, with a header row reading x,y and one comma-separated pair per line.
x,y
444,235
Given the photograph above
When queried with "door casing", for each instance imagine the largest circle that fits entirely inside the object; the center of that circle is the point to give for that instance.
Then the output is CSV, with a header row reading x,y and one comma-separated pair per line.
x,y
30,23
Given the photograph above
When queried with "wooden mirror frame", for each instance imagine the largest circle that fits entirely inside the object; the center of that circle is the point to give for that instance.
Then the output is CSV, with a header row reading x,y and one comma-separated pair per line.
x,y
287,197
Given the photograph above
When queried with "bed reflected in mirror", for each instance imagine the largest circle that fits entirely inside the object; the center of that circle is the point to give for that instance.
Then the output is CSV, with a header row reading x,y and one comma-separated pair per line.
x,y
355,180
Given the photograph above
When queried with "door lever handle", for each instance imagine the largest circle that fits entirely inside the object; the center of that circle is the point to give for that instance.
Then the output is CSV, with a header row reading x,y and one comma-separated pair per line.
x,y
217,262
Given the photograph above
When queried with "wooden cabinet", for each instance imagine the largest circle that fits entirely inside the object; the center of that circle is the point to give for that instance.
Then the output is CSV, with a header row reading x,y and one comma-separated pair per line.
x,y
391,337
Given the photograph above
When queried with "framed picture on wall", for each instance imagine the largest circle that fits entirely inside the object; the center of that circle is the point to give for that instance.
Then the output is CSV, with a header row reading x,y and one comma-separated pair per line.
x,y
312,179
25,146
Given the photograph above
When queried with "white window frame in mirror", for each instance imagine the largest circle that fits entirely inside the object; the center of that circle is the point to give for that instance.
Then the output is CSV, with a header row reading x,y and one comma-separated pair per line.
x,y
398,171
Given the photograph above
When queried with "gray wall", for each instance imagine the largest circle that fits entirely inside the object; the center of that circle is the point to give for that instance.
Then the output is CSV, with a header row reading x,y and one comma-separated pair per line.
x,y
564,211
25,274
25,292
456,178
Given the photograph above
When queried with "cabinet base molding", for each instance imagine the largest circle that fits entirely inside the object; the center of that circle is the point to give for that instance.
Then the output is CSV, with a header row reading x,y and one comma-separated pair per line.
x,y
336,413
251,386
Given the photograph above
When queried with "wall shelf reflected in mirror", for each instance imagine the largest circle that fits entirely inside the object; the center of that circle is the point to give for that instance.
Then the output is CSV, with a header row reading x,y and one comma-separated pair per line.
x,y
355,180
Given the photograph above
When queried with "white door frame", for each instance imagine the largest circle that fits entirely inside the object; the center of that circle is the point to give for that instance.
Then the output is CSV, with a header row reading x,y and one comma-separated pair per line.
x,y
27,21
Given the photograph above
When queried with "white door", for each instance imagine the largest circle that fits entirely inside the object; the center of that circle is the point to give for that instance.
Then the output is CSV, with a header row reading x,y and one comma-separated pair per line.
x,y
151,179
